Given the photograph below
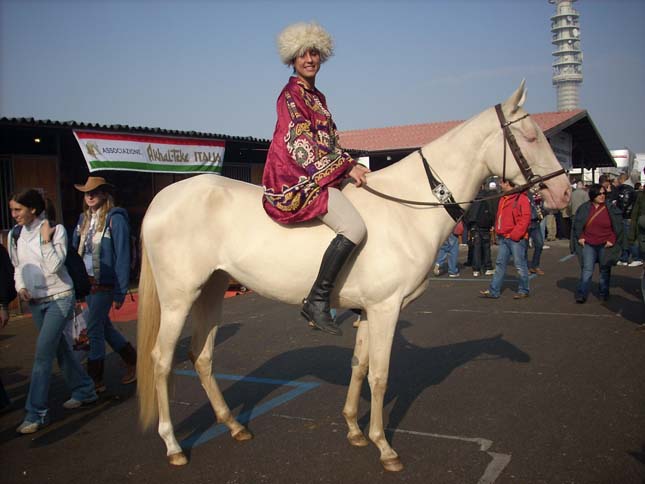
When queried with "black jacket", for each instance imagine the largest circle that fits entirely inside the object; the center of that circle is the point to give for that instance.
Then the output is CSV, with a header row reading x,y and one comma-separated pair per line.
x,y
7,285
481,214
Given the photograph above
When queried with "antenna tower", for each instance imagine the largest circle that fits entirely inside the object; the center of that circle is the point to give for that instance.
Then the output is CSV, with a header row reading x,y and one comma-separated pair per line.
x,y
567,65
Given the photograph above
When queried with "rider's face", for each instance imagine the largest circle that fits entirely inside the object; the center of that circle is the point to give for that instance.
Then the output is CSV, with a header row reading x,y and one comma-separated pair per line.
x,y
307,66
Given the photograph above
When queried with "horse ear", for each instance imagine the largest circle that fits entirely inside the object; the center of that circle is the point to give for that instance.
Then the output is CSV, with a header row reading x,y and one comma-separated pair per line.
x,y
516,101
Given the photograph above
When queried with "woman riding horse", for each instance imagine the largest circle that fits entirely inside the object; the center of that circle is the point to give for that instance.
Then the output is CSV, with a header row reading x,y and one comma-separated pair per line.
x,y
305,165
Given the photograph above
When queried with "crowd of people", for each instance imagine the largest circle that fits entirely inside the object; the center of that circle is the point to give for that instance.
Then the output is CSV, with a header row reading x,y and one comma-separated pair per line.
x,y
604,223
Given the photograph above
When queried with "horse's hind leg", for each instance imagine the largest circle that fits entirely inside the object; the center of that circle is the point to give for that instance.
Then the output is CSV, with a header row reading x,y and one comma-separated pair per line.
x,y
360,365
172,322
206,315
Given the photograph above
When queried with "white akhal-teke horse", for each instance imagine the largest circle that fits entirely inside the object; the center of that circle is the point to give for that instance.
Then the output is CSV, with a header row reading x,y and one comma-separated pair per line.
x,y
199,232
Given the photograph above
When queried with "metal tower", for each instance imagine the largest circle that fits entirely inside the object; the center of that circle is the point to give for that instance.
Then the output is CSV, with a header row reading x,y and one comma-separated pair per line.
x,y
567,66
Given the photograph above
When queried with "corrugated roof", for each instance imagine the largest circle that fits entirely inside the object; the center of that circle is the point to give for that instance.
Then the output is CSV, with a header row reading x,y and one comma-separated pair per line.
x,y
417,135
47,123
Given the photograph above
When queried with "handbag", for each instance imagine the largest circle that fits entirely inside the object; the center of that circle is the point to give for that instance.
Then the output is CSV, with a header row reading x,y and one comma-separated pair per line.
x,y
76,332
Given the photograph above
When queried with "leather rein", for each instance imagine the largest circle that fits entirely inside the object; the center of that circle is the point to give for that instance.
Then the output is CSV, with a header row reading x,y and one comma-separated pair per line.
x,y
444,195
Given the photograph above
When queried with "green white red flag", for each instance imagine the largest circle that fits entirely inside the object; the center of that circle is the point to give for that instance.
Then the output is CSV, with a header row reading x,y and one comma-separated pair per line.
x,y
160,154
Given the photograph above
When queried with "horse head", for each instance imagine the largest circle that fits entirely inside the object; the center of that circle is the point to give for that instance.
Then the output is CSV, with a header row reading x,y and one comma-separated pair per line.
x,y
532,145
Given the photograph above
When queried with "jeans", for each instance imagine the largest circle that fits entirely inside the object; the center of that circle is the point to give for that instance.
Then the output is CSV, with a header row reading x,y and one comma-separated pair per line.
x,y
633,249
481,249
535,234
50,319
508,248
99,327
543,227
590,255
449,249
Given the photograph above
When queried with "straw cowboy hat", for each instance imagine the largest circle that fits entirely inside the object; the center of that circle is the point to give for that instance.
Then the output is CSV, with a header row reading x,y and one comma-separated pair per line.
x,y
92,183
298,38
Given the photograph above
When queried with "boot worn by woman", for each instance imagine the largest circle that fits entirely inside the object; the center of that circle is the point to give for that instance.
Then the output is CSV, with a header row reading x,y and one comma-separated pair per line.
x,y
129,356
95,371
315,307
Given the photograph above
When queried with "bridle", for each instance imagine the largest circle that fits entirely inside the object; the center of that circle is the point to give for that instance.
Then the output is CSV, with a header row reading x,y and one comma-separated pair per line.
x,y
444,195
531,178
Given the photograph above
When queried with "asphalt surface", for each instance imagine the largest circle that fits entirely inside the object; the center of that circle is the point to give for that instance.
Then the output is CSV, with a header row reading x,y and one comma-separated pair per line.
x,y
540,390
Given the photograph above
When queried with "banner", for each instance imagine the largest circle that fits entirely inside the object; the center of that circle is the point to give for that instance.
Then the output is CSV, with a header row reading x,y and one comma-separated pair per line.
x,y
132,152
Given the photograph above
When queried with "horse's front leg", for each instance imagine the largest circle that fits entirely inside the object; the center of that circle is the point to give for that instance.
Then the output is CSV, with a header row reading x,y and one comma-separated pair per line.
x,y
206,314
360,365
382,323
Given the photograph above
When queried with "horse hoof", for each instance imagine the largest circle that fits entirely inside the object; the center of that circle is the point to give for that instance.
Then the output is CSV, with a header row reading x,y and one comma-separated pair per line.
x,y
243,435
178,459
358,440
392,464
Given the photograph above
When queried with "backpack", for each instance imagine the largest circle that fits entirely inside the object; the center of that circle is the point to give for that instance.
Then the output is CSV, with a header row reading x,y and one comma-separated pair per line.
x,y
625,199
73,263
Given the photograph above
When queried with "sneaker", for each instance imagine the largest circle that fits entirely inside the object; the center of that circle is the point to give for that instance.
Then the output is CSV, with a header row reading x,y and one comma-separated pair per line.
x,y
536,270
546,246
580,299
454,275
29,427
476,274
490,272
437,270
73,403
520,295
635,263
487,294
621,263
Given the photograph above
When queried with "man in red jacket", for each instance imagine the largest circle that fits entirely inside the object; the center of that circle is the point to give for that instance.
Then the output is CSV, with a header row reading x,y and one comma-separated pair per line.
x,y
511,226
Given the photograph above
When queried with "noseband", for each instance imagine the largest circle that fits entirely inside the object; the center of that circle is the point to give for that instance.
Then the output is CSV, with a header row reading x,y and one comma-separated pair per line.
x,y
446,200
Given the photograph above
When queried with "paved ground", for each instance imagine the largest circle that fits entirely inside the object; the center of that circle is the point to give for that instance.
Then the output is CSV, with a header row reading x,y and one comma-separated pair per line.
x,y
534,391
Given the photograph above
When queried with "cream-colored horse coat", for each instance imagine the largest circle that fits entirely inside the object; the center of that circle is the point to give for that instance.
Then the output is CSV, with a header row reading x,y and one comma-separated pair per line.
x,y
199,231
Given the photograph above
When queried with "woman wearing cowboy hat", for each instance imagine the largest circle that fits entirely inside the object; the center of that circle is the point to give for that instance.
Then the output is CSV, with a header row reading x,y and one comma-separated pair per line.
x,y
305,164
102,238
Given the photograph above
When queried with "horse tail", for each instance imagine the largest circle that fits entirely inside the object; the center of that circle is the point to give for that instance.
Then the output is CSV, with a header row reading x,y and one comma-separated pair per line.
x,y
149,317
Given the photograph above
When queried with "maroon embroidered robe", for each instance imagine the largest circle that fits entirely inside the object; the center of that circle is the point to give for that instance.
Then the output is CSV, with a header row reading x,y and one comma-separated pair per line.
x,y
304,158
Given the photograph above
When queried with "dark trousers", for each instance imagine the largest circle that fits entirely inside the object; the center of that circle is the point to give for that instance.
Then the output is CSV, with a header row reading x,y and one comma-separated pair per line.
x,y
535,234
481,249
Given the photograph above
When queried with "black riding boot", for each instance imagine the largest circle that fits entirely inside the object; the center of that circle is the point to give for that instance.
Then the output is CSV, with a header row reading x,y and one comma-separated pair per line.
x,y
315,307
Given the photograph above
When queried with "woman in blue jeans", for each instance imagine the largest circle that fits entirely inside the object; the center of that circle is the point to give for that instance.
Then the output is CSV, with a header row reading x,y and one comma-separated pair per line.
x,y
38,254
102,238
597,237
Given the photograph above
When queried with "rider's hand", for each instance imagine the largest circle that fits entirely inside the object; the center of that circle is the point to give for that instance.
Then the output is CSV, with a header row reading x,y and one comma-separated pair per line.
x,y
581,242
608,244
24,294
357,173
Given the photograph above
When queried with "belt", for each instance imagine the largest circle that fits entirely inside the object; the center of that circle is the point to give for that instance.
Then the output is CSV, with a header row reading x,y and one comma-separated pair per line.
x,y
96,287
60,295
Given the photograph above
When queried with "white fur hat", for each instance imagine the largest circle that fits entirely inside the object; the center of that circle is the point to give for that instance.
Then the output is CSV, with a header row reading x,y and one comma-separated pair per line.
x,y
297,38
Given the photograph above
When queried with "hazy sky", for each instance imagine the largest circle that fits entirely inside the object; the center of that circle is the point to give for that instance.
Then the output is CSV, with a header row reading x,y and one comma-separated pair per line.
x,y
212,66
